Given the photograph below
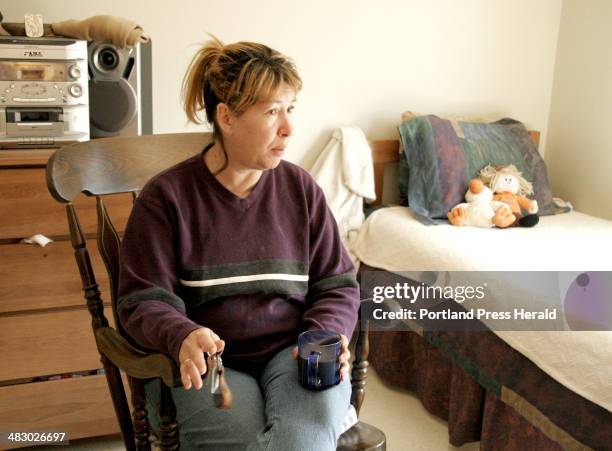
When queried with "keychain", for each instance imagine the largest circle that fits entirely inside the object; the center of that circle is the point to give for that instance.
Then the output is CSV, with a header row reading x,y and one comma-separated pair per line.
x,y
222,395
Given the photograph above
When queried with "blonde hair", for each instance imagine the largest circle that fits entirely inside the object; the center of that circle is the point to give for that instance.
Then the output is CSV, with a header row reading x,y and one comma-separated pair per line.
x,y
490,174
238,75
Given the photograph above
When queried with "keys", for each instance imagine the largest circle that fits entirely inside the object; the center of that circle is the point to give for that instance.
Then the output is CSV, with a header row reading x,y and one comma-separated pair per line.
x,y
219,390
216,368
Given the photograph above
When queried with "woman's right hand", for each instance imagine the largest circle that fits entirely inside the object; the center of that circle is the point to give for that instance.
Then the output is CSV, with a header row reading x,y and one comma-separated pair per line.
x,y
191,355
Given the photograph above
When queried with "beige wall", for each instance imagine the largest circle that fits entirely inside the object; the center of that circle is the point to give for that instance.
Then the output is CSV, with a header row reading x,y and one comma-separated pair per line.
x,y
363,62
579,149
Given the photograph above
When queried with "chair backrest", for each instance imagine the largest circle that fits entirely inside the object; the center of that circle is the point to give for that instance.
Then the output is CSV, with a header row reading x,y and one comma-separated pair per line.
x,y
117,165
111,166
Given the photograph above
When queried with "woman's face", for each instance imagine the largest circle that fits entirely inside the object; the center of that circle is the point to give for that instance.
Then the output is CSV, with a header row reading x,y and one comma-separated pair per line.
x,y
256,140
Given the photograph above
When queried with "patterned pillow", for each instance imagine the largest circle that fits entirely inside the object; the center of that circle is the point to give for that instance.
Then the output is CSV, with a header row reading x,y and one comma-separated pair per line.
x,y
441,156
403,164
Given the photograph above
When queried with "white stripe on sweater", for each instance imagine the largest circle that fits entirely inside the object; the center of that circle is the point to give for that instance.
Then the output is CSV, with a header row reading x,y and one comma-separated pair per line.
x,y
240,279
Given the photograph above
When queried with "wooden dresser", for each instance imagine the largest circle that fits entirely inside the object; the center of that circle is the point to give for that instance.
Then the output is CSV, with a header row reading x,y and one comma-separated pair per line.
x,y
50,376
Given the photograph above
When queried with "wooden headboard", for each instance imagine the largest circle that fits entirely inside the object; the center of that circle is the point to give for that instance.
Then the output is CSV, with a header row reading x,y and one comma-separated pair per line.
x,y
387,151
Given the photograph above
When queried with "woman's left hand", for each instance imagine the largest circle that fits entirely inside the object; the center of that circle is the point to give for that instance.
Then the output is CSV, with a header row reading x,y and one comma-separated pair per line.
x,y
345,355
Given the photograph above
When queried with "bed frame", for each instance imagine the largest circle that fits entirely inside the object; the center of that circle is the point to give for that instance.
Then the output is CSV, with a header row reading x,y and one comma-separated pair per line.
x,y
387,151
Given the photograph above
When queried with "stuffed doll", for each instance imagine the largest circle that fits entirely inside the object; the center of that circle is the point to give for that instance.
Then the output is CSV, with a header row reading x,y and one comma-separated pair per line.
x,y
510,187
481,210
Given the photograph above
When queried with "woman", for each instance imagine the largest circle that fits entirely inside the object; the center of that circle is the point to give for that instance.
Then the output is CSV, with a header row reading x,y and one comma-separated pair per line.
x,y
235,250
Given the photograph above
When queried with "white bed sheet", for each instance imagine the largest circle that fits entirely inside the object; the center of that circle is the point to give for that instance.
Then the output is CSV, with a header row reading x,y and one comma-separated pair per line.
x,y
392,239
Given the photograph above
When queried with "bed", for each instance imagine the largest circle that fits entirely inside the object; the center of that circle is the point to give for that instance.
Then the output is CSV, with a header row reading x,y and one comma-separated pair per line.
x,y
506,389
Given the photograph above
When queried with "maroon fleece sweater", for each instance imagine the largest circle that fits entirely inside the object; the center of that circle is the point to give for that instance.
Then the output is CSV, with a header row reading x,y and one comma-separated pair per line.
x,y
257,271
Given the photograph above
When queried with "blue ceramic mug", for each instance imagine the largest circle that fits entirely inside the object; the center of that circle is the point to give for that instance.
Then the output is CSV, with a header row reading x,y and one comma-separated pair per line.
x,y
318,365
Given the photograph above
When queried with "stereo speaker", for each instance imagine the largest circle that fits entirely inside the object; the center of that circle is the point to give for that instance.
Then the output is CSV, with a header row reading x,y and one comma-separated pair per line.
x,y
120,90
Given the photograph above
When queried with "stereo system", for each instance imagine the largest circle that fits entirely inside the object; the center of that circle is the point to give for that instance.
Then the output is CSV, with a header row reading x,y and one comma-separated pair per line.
x,y
44,98
56,91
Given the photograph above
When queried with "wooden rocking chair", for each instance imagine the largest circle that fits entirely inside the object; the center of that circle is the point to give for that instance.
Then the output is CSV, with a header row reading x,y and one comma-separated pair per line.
x,y
123,165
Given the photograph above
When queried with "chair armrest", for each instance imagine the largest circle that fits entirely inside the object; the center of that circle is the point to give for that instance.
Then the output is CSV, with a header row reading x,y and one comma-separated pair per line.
x,y
135,362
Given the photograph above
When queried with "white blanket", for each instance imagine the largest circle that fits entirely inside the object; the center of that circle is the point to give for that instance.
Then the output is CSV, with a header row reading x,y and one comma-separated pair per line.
x,y
345,173
392,239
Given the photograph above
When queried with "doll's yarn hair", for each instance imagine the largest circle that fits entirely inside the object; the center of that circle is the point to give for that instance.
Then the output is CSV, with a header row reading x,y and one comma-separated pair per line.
x,y
490,174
